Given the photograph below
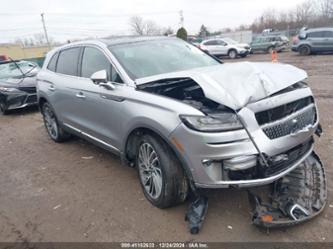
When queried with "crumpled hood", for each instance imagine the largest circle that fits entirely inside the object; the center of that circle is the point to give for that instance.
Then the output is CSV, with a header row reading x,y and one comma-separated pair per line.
x,y
237,84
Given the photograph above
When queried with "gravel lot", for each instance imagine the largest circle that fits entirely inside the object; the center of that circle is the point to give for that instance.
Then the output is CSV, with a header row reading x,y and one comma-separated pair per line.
x,y
78,192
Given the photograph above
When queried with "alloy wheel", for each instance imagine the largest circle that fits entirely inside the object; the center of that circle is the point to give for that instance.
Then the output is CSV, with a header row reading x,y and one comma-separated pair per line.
x,y
50,122
150,171
232,54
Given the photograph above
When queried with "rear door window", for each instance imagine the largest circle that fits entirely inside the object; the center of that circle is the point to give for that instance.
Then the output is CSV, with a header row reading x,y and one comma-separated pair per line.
x,y
68,61
328,34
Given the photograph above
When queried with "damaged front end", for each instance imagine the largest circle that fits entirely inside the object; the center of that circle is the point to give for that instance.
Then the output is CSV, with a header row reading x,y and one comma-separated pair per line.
x,y
295,198
256,129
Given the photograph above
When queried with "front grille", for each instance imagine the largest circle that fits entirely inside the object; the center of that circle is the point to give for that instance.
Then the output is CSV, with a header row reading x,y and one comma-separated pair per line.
x,y
291,124
31,99
291,156
287,119
31,89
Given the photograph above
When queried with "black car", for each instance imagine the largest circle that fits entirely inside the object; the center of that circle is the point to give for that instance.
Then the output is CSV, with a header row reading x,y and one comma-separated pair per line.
x,y
17,85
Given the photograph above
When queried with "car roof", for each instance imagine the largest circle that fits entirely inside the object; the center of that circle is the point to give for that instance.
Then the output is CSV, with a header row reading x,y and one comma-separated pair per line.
x,y
131,39
319,29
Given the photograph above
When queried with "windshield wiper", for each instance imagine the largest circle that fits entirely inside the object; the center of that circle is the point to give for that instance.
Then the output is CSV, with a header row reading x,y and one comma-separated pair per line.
x,y
19,68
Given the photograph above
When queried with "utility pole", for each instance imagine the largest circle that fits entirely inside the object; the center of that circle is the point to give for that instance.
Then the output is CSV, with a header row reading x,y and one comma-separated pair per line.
x,y
45,31
181,18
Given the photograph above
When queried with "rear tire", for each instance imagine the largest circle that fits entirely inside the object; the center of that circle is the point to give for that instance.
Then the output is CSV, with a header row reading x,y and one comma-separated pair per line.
x,y
161,176
232,54
52,126
304,50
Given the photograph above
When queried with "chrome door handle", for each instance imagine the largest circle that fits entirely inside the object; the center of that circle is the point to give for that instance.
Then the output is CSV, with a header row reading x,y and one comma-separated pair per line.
x,y
51,88
80,95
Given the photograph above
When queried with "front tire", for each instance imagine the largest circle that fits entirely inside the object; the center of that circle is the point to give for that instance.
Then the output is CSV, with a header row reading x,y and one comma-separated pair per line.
x,y
232,54
3,110
304,50
161,176
52,126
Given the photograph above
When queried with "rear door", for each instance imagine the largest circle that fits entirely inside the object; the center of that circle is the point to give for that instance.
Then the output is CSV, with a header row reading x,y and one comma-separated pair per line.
x,y
329,40
317,40
61,82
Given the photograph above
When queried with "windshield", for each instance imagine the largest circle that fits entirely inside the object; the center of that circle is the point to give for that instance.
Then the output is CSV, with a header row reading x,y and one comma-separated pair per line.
x,y
230,41
143,59
11,70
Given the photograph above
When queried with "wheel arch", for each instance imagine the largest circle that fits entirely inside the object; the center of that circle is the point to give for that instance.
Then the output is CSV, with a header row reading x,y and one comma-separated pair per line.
x,y
130,145
232,49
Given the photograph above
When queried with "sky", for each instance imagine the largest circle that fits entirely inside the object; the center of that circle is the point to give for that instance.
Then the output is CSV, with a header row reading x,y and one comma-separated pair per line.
x,y
75,19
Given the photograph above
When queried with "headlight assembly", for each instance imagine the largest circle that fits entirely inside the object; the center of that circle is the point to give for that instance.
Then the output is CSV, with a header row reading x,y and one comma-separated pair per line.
x,y
7,89
219,122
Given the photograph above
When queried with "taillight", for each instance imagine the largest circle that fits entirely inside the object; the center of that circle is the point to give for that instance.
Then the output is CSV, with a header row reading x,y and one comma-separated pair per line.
x,y
295,40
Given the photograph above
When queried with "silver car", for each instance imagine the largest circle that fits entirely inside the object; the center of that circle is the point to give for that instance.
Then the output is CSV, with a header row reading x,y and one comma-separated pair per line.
x,y
182,118
225,46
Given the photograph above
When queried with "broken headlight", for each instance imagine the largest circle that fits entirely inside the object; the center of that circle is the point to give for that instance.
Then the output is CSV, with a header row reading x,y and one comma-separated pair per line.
x,y
225,121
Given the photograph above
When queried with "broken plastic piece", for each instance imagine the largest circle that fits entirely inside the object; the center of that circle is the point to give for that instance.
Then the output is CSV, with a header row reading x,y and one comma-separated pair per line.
x,y
196,214
319,130
295,198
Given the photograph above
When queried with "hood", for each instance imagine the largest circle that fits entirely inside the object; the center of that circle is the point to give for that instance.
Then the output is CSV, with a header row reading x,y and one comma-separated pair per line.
x,y
237,84
18,82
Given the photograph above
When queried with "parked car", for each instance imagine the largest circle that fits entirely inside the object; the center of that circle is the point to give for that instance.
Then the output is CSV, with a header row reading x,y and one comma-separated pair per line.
x,y
225,46
17,85
269,43
186,121
317,40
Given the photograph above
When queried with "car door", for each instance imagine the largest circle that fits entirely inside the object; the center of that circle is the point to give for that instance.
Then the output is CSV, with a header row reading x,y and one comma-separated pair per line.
x,y
221,47
99,109
255,44
60,84
211,46
328,40
316,40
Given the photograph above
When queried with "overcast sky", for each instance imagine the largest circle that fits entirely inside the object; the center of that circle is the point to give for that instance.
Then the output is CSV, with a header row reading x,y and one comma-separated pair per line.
x,y
68,19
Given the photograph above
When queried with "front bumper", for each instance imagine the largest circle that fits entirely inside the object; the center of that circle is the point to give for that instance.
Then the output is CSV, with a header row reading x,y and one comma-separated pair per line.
x,y
294,48
18,99
244,51
200,147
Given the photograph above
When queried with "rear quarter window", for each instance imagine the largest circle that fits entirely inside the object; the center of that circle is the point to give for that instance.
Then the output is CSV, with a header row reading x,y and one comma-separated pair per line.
x,y
53,63
68,61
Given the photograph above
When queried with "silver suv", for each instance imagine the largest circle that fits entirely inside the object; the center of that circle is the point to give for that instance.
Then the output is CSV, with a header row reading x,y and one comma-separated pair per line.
x,y
225,46
182,118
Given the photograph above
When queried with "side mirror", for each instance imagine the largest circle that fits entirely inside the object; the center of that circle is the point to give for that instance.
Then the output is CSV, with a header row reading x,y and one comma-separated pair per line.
x,y
99,77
